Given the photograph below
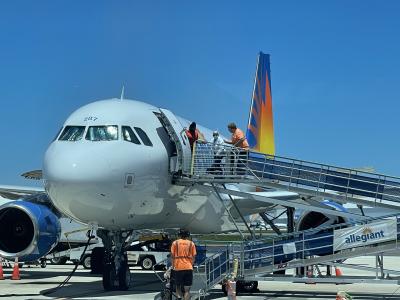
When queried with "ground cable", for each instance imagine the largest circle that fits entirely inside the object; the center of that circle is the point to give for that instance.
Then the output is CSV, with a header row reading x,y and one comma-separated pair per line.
x,y
52,290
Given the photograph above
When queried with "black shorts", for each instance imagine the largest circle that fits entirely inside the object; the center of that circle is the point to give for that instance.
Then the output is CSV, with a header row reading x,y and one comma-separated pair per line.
x,y
184,277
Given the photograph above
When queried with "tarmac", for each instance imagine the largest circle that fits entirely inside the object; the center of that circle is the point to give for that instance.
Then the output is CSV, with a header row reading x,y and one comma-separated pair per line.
x,y
36,281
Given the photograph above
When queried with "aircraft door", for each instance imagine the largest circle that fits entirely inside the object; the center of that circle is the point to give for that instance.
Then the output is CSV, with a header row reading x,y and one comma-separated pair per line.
x,y
177,133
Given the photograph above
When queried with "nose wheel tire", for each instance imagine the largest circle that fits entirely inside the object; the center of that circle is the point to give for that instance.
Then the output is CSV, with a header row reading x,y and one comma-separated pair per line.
x,y
113,281
116,273
124,277
109,277
97,260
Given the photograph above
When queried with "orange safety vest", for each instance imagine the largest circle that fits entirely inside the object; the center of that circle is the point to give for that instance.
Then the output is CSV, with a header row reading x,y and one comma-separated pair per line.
x,y
183,252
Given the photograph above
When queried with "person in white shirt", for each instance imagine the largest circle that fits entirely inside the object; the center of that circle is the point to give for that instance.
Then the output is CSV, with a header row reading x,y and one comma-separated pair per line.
x,y
219,152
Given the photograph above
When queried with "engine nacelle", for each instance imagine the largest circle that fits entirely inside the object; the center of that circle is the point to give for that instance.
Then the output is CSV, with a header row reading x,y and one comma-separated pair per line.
x,y
27,230
312,219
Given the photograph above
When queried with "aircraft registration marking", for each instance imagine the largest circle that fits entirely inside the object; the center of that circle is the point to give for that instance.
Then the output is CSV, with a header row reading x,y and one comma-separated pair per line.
x,y
91,118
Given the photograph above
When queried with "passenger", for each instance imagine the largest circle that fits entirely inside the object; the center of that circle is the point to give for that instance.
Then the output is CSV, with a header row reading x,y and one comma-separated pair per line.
x,y
239,140
194,135
183,253
219,152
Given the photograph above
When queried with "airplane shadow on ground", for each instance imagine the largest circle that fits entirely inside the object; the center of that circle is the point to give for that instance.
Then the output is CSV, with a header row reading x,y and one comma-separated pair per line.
x,y
141,284
26,274
148,283
273,295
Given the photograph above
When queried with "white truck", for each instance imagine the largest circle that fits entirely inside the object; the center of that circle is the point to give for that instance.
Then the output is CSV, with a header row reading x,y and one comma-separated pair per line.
x,y
74,255
144,253
73,239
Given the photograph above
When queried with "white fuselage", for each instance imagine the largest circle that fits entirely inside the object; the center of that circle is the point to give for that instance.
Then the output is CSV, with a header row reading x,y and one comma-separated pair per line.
x,y
88,179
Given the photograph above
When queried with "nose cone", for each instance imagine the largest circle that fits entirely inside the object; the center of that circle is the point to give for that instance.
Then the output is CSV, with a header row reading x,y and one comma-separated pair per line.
x,y
79,179
70,163
104,183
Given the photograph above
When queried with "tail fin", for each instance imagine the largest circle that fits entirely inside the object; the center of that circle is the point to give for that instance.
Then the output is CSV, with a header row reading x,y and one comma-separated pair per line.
x,y
260,129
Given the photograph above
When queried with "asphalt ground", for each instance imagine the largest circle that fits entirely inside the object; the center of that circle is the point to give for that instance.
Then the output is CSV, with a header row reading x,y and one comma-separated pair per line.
x,y
35,282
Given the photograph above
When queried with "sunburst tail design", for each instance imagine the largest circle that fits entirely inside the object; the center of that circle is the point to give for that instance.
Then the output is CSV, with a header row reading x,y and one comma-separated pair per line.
x,y
260,129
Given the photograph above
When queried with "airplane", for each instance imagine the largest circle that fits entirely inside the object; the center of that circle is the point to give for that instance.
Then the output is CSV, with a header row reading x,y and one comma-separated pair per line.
x,y
113,166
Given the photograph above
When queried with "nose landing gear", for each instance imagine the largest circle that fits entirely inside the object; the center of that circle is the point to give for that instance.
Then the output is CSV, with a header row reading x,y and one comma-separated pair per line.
x,y
116,273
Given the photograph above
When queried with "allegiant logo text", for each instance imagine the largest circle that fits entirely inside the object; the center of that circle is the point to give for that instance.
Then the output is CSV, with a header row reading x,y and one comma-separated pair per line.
x,y
367,235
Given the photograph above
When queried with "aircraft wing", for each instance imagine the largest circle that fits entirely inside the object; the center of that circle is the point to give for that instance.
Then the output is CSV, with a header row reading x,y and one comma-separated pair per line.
x,y
14,192
253,201
35,174
249,205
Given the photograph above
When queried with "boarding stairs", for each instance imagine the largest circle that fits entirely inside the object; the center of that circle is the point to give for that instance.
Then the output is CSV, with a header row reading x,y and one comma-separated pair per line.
x,y
302,250
305,250
318,246
313,182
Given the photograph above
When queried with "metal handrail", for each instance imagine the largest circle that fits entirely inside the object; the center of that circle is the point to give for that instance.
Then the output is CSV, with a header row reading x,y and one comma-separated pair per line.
x,y
267,255
211,271
327,228
262,253
216,269
230,163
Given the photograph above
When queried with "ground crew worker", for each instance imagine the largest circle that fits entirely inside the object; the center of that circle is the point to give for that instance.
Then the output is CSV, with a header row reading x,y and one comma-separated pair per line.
x,y
239,140
183,253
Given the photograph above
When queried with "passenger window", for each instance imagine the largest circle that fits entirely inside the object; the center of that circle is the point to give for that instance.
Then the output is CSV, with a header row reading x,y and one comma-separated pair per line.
x,y
102,133
129,135
143,136
72,133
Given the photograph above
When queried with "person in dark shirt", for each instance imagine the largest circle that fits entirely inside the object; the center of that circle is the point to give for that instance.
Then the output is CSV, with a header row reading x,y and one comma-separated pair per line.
x,y
193,135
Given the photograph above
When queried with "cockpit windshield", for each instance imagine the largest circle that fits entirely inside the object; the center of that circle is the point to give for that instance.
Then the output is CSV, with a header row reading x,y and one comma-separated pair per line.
x,y
72,133
129,136
102,133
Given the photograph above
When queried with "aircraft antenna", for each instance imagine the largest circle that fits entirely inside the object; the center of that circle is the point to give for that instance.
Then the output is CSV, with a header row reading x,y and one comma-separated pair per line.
x,y
122,92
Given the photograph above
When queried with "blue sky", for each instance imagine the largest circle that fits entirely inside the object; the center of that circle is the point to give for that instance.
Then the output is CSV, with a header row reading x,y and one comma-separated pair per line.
x,y
335,71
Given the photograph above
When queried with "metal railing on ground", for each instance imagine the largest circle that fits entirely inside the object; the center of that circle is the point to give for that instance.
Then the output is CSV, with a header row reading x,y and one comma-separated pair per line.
x,y
206,275
216,267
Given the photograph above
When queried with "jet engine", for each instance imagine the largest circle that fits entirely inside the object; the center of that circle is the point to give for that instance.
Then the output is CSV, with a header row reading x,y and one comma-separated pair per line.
x,y
27,230
312,219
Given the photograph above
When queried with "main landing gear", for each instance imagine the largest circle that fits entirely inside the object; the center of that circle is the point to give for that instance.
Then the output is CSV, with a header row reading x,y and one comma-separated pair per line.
x,y
116,274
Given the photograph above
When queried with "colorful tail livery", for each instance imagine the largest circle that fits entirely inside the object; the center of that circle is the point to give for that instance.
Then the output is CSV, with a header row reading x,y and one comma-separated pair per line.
x,y
260,129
